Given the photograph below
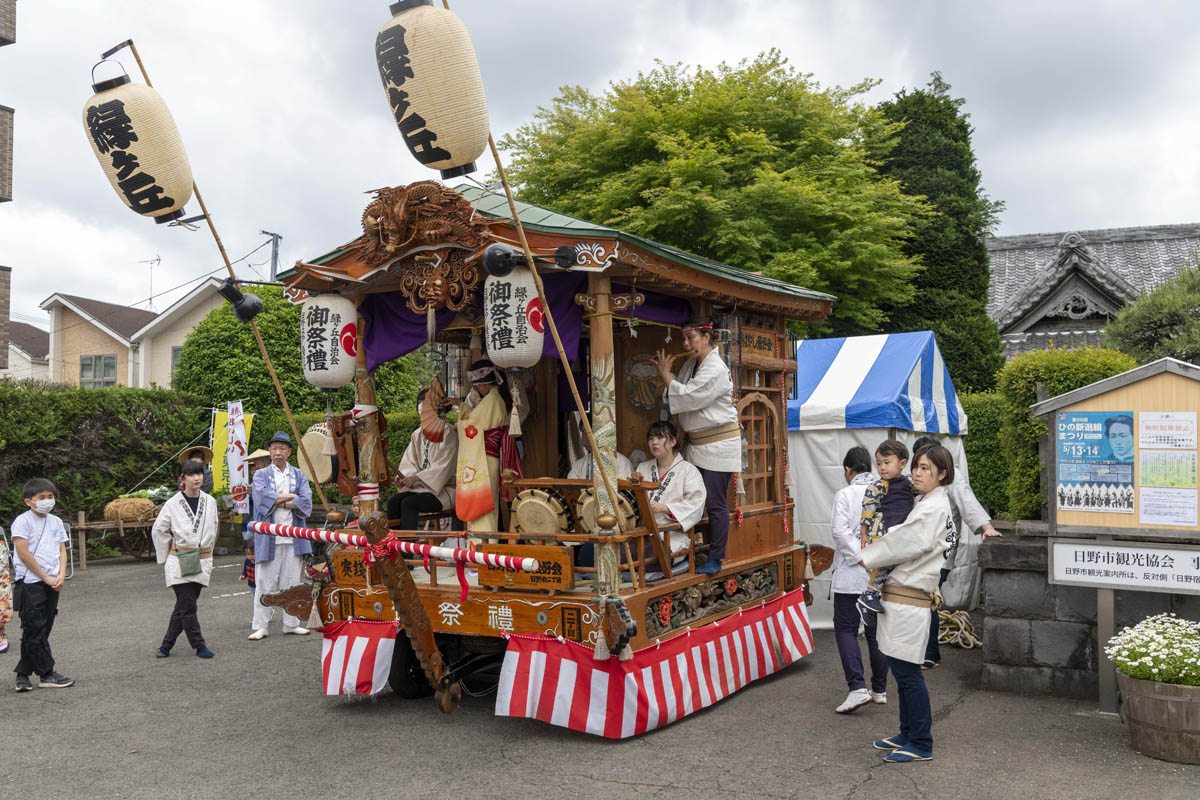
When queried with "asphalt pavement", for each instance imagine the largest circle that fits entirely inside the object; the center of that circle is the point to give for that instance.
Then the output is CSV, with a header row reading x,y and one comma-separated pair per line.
x,y
253,722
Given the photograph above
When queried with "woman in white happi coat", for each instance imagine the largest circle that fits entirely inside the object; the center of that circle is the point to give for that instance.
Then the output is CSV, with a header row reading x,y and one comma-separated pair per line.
x,y
702,397
425,483
678,502
916,550
188,520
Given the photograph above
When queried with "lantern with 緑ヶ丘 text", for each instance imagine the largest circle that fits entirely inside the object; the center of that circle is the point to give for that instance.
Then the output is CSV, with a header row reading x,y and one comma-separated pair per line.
x,y
429,72
139,148
513,322
328,340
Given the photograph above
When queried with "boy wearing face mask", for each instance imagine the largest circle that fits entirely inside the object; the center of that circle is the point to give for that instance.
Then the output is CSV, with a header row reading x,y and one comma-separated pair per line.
x,y
40,542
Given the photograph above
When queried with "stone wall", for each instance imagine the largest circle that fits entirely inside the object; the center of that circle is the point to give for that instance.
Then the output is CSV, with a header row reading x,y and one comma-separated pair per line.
x,y
1039,637
5,294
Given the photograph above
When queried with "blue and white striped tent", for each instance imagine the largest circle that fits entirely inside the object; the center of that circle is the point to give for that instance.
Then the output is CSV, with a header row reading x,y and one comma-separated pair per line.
x,y
894,380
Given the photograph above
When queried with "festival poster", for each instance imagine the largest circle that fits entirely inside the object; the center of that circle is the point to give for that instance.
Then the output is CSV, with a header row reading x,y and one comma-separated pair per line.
x,y
1095,461
220,447
1167,430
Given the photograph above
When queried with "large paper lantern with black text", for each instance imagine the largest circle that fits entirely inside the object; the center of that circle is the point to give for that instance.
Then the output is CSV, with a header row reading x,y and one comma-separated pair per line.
x,y
512,318
139,148
328,340
431,78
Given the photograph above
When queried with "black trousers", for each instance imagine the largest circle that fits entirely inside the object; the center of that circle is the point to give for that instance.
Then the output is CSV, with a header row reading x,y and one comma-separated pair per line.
x,y
37,605
716,484
184,618
407,506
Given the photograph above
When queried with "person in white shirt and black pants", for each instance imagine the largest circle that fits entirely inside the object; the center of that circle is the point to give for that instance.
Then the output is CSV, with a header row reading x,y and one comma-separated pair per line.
x,y
849,580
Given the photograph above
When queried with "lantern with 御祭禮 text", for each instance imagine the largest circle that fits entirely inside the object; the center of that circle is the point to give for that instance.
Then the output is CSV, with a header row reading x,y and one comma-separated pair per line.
x,y
431,77
328,340
139,148
513,321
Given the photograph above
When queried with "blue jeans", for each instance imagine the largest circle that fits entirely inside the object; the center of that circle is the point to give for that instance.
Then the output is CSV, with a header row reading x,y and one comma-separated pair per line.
x,y
845,631
916,718
933,652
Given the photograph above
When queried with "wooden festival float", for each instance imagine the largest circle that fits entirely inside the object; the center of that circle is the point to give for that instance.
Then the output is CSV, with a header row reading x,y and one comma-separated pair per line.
x,y
418,269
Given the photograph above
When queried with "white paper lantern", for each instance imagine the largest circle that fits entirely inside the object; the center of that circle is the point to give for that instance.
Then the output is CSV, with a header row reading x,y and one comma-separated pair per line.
x,y
134,137
431,78
514,325
328,340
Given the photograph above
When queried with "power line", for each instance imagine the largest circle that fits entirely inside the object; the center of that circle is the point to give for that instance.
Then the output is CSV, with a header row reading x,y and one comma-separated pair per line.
x,y
160,294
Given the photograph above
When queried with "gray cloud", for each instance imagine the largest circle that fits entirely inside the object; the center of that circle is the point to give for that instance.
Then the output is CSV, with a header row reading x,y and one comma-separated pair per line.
x,y
1082,111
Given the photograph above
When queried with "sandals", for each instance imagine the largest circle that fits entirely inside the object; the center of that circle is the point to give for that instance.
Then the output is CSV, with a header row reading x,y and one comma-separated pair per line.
x,y
905,757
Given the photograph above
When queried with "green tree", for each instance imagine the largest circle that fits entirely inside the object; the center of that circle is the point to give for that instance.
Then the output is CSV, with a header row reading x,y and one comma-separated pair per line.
x,y
933,159
753,165
221,362
1163,322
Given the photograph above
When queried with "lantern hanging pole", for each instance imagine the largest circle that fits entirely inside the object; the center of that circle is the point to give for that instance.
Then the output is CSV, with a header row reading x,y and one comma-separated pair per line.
x,y
562,353
262,348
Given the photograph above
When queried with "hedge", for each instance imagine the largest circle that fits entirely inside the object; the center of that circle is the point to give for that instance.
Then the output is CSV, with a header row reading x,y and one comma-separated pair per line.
x,y
985,456
1059,371
93,444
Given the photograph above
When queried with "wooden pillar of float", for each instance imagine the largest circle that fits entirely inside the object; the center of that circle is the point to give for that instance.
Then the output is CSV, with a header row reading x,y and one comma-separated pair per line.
x,y
395,574
604,424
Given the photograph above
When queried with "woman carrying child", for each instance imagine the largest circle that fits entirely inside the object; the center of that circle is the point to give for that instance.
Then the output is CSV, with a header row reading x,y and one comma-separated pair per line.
x,y
184,535
915,550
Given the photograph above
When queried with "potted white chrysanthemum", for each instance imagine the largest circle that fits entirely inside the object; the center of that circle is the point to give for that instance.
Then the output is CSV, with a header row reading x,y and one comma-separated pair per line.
x,y
1158,672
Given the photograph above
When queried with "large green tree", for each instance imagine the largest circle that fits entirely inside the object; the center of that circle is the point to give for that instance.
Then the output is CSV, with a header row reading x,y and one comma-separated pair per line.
x,y
933,159
221,362
753,165
1163,322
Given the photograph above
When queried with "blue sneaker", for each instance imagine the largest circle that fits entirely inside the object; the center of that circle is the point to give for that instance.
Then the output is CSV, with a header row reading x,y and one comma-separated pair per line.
x,y
203,652
162,652
710,567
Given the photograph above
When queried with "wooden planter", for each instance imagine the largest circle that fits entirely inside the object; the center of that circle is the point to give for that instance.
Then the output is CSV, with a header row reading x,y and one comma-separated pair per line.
x,y
1163,718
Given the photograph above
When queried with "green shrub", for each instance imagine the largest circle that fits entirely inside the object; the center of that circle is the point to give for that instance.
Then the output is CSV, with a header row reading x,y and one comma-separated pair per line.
x,y
1164,322
94,444
1059,371
985,456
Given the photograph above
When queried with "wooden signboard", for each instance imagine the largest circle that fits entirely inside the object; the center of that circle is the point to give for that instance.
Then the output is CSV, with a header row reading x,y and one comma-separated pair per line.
x,y
760,342
555,573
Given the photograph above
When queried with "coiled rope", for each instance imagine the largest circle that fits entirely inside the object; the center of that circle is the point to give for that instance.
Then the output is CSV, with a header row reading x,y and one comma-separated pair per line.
x,y
954,627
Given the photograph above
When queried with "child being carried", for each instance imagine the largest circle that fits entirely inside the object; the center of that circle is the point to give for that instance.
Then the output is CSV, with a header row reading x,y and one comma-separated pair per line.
x,y
886,504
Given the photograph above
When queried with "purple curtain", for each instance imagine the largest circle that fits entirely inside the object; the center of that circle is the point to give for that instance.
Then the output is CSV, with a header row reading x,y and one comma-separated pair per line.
x,y
659,307
393,330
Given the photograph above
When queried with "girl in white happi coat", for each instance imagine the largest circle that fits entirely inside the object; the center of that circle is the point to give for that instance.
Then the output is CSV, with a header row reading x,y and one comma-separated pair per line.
x,y
679,501
186,522
917,549
702,397
426,476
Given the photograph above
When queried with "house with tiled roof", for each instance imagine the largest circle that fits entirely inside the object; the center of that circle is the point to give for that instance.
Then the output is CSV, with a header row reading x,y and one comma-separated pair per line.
x,y
1059,289
28,348
95,344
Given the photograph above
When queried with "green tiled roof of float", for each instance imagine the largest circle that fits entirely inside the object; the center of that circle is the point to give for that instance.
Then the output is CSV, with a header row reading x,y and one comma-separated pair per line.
x,y
495,204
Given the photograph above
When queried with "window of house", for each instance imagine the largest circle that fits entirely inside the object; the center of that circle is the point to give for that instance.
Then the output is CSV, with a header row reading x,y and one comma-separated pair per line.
x,y
96,372
175,351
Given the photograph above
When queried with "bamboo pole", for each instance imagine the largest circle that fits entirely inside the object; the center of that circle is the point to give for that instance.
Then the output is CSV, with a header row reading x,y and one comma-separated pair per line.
x,y
262,348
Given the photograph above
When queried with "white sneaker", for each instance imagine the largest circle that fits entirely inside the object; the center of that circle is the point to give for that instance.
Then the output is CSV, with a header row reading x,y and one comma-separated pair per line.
x,y
261,633
298,631
854,701
879,697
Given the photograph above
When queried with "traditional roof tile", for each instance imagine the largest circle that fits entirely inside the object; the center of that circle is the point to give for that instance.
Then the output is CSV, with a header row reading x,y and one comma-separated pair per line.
x,y
1023,267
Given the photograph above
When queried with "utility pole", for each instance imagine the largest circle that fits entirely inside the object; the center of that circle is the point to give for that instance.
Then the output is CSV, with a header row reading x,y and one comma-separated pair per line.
x,y
275,238
153,262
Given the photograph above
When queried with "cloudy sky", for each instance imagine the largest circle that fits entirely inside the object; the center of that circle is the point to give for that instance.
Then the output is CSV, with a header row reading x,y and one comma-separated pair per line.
x,y
1084,112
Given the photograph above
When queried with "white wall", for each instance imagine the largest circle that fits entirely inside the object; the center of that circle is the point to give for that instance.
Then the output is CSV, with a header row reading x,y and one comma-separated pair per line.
x,y
20,366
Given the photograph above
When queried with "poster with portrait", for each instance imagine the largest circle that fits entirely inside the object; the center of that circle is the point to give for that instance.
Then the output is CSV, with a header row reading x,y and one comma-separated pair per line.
x,y
1095,461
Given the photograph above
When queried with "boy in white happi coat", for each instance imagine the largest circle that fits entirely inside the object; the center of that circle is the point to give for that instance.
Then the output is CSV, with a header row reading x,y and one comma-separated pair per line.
x,y
679,500
702,397
281,494
426,476
187,521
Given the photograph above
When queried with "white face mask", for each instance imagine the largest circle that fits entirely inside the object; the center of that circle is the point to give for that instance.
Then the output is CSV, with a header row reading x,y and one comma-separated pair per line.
x,y
44,506
420,407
